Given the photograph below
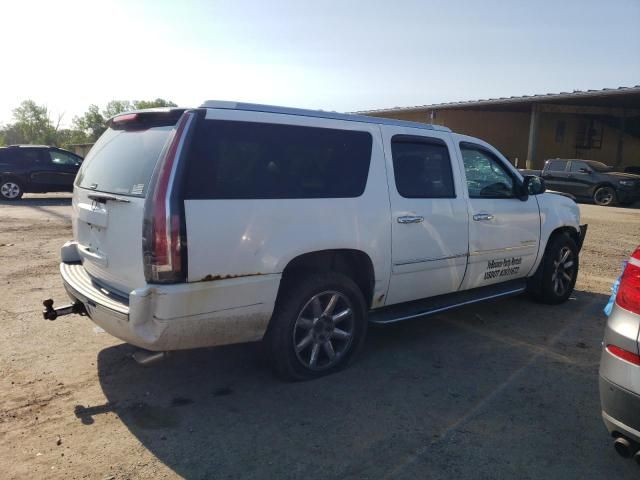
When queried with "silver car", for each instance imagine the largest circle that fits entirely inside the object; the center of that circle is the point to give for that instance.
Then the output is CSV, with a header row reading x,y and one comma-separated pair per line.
x,y
620,364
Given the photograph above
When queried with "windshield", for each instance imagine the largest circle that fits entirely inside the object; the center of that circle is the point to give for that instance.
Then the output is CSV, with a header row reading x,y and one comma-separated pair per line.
x,y
122,161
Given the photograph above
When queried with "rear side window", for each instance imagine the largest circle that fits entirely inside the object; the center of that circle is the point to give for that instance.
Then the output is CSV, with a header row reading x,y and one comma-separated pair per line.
x,y
122,161
556,165
422,167
229,159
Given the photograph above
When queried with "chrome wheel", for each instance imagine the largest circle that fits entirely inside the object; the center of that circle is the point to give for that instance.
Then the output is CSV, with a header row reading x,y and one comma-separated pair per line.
x,y
10,190
324,330
563,271
604,196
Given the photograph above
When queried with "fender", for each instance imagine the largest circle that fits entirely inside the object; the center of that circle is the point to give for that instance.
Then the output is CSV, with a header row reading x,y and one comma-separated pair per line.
x,y
556,211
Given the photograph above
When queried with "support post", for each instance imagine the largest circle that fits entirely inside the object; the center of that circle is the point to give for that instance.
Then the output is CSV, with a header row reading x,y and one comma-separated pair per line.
x,y
533,136
619,156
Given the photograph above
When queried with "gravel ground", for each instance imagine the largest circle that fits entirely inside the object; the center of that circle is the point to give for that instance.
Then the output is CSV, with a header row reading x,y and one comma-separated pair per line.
x,y
502,390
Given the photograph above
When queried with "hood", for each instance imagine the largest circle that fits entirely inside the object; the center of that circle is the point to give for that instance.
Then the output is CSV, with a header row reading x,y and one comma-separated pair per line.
x,y
621,175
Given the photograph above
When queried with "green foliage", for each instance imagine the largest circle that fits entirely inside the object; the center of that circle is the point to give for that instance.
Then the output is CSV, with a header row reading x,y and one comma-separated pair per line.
x,y
32,124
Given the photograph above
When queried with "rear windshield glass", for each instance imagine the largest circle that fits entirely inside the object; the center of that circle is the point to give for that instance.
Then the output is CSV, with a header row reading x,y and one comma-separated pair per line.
x,y
230,159
122,161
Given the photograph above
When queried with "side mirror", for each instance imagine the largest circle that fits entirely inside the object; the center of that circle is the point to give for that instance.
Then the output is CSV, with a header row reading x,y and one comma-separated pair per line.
x,y
534,185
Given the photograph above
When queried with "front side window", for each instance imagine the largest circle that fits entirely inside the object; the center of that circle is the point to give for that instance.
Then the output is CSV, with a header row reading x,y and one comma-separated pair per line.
x,y
486,176
422,167
579,167
247,160
60,158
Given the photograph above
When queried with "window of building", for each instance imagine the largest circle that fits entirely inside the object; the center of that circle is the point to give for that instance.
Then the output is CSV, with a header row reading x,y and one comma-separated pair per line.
x,y
589,134
422,167
261,160
561,126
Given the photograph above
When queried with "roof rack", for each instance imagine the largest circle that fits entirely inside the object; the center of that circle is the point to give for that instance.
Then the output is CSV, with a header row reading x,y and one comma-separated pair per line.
x,y
255,107
26,145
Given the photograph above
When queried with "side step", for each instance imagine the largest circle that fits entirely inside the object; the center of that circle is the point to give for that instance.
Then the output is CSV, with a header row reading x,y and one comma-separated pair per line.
x,y
441,303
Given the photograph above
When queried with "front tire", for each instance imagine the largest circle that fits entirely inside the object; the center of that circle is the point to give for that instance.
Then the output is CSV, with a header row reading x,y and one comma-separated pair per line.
x,y
604,196
318,326
11,189
557,274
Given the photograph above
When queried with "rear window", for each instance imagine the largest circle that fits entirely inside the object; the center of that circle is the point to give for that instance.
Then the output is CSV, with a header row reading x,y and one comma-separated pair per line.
x,y
246,160
122,161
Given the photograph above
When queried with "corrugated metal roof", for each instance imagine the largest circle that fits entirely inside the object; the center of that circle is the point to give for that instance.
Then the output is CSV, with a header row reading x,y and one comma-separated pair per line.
x,y
544,97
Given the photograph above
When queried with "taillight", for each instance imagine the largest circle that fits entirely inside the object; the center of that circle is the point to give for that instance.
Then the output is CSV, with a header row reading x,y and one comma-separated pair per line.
x,y
624,354
628,296
164,238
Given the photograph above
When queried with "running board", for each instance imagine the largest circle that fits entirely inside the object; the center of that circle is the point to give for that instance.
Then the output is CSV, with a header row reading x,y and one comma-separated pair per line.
x,y
441,303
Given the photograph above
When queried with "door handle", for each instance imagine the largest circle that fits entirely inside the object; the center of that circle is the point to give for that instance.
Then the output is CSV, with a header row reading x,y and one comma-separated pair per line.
x,y
482,217
410,219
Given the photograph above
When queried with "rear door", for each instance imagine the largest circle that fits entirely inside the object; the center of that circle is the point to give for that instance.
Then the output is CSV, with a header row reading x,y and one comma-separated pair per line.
x,y
109,198
428,214
504,231
556,176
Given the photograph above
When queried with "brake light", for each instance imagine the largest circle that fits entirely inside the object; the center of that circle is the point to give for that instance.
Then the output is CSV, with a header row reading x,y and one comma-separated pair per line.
x,y
127,117
628,296
164,244
624,354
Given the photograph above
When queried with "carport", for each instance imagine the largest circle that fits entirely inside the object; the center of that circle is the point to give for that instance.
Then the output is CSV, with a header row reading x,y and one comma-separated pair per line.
x,y
601,125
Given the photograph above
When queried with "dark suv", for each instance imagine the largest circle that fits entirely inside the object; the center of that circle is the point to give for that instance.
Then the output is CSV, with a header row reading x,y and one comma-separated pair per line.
x,y
36,169
589,179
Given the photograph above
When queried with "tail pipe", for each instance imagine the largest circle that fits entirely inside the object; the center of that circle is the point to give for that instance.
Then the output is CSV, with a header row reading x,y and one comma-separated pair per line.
x,y
627,448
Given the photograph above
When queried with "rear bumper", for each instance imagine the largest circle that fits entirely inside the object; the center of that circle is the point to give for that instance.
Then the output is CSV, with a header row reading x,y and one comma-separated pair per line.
x,y
620,410
181,316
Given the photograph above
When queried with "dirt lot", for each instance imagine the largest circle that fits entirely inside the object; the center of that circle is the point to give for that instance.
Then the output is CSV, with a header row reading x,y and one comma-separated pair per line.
x,y
502,390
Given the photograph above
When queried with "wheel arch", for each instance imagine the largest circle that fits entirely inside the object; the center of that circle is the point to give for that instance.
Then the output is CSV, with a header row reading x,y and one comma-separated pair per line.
x,y
356,264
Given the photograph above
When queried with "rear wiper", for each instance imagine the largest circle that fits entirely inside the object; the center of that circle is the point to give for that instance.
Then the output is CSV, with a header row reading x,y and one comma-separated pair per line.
x,y
103,197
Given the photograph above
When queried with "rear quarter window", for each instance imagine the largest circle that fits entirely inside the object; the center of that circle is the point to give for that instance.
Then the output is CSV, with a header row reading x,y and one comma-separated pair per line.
x,y
247,160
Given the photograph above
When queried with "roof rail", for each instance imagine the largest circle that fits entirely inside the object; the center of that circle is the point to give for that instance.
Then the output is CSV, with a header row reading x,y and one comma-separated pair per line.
x,y
255,107
27,145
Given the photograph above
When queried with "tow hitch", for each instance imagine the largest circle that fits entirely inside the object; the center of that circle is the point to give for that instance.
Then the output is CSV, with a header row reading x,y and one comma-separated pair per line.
x,y
50,313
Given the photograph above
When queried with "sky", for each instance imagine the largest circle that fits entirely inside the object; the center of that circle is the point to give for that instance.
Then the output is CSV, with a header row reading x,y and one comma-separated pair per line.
x,y
324,54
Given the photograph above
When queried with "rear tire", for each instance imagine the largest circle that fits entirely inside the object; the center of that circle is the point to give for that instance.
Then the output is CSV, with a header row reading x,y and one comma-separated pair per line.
x,y
318,326
556,277
604,196
10,189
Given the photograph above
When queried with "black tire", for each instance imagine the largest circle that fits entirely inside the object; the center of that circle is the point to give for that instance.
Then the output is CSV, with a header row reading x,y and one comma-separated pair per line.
x,y
295,321
605,196
550,285
11,189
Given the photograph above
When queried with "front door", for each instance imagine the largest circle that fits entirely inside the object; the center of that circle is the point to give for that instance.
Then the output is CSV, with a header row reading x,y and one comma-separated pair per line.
x,y
429,214
504,231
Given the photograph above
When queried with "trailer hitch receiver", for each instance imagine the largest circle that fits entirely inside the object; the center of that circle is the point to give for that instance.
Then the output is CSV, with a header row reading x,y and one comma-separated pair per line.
x,y
50,313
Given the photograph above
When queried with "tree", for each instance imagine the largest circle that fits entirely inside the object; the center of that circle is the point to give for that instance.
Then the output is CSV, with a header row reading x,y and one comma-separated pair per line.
x,y
114,107
158,102
91,123
32,124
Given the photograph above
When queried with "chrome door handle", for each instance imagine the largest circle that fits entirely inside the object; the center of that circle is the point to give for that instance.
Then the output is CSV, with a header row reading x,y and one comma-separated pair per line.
x,y
410,219
482,217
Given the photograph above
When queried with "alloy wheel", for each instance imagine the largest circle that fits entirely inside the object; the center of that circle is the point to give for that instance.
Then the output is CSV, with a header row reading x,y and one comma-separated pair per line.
x,y
324,330
10,190
563,271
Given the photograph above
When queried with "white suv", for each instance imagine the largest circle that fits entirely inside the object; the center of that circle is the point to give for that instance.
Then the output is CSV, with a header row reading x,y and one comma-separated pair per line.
x,y
238,222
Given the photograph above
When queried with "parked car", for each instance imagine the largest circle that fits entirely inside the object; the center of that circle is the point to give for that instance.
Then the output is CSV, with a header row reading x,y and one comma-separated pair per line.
x,y
36,169
620,364
239,222
591,180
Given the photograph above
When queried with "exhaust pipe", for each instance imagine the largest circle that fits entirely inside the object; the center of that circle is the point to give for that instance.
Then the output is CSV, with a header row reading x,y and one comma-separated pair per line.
x,y
146,358
624,447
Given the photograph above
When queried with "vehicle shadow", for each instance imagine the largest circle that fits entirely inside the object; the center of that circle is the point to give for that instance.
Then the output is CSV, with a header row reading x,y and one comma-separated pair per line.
x,y
38,202
421,390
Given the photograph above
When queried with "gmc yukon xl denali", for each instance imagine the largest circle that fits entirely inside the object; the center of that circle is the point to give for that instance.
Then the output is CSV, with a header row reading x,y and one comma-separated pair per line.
x,y
238,222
